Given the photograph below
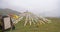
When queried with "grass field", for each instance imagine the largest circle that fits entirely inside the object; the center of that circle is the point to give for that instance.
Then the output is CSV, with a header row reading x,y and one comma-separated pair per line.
x,y
51,27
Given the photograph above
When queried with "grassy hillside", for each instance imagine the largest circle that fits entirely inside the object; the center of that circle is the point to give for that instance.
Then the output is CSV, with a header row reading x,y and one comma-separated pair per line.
x,y
52,27
8,11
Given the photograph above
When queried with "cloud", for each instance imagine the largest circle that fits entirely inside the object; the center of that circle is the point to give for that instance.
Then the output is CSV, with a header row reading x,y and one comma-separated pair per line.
x,y
43,7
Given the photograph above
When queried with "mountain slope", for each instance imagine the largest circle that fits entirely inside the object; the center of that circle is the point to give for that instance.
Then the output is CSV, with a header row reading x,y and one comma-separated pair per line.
x,y
8,11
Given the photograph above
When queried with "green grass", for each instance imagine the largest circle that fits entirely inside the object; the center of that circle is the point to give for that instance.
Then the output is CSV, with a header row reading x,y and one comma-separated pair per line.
x,y
51,27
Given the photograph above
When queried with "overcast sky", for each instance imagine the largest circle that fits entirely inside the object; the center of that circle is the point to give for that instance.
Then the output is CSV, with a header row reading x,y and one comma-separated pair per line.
x,y
42,7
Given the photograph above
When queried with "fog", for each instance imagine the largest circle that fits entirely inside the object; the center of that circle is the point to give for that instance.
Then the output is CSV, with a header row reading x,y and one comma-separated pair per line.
x,y
41,7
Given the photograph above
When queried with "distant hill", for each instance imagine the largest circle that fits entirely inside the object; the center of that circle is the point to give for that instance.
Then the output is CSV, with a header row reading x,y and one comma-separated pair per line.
x,y
8,11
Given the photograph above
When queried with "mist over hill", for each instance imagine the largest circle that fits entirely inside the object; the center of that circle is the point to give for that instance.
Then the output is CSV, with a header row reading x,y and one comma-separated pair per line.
x,y
8,11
